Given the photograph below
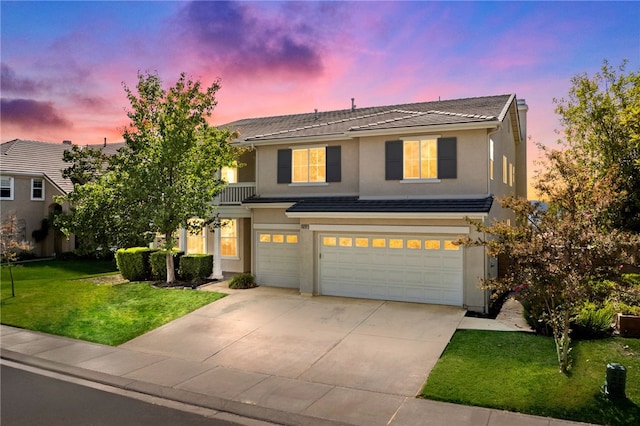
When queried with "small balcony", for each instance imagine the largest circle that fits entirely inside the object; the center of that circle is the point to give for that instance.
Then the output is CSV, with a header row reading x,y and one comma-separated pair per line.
x,y
234,193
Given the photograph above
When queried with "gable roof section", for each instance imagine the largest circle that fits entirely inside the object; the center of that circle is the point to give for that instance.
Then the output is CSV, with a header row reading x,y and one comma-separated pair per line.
x,y
42,159
488,110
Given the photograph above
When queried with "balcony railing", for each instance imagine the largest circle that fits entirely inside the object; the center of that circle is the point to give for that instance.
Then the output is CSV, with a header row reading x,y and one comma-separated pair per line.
x,y
234,193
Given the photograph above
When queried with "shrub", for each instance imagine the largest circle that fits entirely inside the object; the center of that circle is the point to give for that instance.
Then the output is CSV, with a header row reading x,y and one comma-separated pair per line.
x,y
158,261
242,281
195,267
593,321
133,263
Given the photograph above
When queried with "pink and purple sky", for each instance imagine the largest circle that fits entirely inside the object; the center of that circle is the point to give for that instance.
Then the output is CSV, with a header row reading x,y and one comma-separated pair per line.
x,y
63,63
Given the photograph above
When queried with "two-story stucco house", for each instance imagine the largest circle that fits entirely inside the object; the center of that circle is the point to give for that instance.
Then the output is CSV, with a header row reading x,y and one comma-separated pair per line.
x,y
368,202
30,178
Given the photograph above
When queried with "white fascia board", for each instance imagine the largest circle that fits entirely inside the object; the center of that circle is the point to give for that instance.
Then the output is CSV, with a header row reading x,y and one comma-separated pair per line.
x,y
267,205
391,229
232,211
426,130
386,215
311,140
18,173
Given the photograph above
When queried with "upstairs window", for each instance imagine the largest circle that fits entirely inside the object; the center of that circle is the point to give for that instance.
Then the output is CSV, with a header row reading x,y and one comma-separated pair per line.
x,y
229,174
310,165
6,188
37,189
505,171
421,159
491,159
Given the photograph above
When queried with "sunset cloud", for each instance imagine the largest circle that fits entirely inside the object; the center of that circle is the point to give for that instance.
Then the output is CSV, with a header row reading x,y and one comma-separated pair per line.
x,y
28,113
13,84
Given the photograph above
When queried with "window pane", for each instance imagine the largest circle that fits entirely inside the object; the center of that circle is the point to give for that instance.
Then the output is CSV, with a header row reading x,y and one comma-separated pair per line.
x,y
229,174
329,241
265,238
432,244
414,244
292,239
228,228
428,159
228,247
300,165
5,187
278,238
449,245
411,160
396,243
317,165
378,242
195,241
362,242
345,242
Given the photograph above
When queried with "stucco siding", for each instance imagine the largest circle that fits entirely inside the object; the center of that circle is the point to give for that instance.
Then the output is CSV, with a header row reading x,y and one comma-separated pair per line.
x,y
471,169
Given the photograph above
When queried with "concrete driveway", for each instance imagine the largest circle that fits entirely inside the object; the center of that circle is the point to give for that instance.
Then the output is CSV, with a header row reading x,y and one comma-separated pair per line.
x,y
314,343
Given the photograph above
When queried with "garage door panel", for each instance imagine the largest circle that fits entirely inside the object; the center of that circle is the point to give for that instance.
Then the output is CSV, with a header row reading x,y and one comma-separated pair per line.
x,y
420,271
278,259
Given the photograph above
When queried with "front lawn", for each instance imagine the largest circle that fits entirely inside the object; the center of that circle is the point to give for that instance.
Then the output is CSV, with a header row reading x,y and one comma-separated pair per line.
x,y
86,300
519,372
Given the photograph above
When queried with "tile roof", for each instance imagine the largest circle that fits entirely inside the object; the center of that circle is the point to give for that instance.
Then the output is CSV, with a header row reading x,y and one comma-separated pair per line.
x,y
356,205
486,109
42,158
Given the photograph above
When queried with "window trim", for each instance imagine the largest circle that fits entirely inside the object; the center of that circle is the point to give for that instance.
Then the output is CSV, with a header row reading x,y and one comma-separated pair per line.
x,y
333,165
308,164
11,189
419,140
447,159
42,197
234,238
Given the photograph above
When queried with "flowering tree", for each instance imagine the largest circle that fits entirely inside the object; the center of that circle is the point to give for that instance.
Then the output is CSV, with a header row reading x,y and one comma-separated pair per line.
x,y
556,257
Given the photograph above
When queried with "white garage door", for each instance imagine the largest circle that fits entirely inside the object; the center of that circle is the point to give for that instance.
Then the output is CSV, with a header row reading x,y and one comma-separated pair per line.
x,y
278,259
392,267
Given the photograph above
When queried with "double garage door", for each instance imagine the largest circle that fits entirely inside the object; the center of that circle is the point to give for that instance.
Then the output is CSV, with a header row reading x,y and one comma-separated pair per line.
x,y
426,269
391,267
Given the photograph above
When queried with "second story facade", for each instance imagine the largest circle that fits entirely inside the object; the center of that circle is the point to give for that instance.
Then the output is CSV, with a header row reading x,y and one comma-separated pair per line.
x,y
368,202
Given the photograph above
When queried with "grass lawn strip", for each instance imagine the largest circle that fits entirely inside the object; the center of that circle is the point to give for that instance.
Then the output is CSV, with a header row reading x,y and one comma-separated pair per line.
x,y
79,299
519,372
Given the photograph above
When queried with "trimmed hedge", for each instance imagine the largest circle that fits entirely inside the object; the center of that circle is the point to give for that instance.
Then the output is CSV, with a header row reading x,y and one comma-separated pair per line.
x,y
133,263
158,261
195,267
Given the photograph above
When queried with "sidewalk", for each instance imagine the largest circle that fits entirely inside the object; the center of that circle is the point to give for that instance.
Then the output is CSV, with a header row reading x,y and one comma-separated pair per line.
x,y
271,398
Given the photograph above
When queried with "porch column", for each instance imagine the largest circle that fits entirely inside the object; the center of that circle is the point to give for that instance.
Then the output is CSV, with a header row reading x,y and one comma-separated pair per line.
x,y
217,264
182,243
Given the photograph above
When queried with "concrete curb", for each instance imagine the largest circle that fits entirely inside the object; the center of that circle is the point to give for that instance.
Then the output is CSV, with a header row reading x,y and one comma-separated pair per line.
x,y
192,398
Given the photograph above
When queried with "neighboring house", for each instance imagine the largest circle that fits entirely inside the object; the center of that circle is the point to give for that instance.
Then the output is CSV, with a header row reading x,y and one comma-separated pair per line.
x,y
368,202
30,178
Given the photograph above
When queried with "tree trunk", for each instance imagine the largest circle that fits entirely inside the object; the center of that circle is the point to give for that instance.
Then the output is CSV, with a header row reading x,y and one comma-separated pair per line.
x,y
563,342
171,272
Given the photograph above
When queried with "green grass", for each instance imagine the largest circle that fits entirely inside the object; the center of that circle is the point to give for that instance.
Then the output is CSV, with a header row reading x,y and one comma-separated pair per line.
x,y
519,372
84,300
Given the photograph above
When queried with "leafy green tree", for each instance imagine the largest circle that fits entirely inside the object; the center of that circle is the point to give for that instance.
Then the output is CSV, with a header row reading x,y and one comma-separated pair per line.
x,y
601,119
164,177
174,155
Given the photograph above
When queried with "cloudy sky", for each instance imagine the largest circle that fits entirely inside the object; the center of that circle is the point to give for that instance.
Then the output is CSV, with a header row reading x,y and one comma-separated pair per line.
x,y
64,63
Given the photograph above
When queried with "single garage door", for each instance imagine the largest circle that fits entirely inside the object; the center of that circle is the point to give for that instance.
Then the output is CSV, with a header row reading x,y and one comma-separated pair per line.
x,y
392,267
278,259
